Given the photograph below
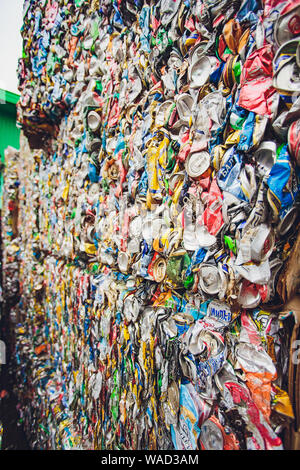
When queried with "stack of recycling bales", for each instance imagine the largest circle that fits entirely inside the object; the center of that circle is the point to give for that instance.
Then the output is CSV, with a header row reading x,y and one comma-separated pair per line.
x,y
158,219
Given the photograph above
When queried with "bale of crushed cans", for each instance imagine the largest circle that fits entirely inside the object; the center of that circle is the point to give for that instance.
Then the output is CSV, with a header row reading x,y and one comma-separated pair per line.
x,y
9,228
159,174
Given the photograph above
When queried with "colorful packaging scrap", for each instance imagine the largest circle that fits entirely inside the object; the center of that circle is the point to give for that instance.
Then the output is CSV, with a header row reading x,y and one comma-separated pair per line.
x,y
159,206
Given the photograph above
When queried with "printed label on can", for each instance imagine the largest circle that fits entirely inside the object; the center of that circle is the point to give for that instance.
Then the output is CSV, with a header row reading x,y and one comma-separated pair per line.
x,y
219,311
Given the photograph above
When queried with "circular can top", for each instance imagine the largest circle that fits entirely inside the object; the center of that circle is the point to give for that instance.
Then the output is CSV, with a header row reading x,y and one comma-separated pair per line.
x,y
197,163
249,297
123,261
294,140
287,220
265,155
210,280
199,72
159,269
184,105
162,113
211,436
93,121
287,24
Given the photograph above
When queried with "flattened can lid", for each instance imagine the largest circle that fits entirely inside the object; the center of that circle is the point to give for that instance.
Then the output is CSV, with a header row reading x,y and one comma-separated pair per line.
x,y
294,140
174,179
249,297
200,71
265,155
287,25
211,436
198,52
123,261
197,163
184,104
285,77
159,269
162,113
93,121
287,219
210,279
